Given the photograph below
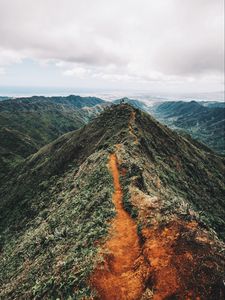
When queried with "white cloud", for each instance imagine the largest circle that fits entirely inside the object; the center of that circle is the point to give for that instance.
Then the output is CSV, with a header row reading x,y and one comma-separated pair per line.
x,y
129,40
78,72
9,56
2,71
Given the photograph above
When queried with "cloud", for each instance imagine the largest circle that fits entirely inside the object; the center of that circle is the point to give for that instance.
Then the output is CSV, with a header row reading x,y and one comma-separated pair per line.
x,y
144,40
79,72
2,71
9,56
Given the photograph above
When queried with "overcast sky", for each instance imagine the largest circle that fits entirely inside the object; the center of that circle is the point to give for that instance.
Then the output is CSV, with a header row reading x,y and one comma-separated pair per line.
x,y
155,45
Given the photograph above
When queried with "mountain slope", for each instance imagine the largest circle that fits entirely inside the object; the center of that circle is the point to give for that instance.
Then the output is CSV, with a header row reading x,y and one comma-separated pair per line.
x,y
205,123
64,209
27,124
135,103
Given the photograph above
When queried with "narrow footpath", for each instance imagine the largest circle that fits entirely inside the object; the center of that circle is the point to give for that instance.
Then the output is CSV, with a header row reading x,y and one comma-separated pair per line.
x,y
160,268
120,277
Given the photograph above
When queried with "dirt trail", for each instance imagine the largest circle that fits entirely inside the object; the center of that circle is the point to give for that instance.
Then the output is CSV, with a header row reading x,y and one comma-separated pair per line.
x,y
163,267
121,275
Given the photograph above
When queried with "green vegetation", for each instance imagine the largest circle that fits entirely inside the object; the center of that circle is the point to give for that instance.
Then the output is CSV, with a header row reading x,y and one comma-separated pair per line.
x,y
58,247
204,123
135,103
56,205
55,212
185,170
27,124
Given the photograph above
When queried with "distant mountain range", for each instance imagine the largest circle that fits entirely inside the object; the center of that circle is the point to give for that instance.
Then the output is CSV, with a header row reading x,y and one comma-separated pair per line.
x,y
204,121
27,124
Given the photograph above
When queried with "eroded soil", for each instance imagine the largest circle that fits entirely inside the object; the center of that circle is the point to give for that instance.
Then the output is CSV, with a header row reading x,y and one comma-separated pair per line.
x,y
123,273
174,260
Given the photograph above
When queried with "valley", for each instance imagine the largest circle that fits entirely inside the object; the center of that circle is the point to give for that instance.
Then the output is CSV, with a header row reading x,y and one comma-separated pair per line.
x,y
203,121
27,124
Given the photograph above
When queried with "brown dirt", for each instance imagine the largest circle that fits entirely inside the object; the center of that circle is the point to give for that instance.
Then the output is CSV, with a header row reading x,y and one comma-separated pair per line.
x,y
182,262
174,261
124,271
159,252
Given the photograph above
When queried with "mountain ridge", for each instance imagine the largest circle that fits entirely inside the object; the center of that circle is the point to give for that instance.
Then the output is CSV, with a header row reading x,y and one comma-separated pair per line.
x,y
27,124
58,212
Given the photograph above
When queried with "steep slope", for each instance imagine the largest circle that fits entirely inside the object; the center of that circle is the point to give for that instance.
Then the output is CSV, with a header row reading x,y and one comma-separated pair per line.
x,y
204,123
123,203
36,121
14,146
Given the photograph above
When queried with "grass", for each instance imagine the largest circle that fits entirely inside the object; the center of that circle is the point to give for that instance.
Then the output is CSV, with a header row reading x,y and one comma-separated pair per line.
x,y
62,240
56,207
